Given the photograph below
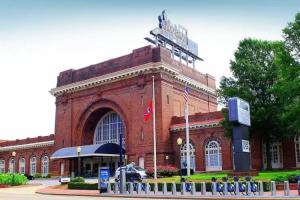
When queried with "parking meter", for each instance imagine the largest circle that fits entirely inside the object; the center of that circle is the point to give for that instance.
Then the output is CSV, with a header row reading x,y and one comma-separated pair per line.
x,y
103,179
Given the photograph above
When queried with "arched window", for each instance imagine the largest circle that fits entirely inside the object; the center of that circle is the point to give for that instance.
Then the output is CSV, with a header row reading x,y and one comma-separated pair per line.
x,y
33,165
297,149
213,156
45,166
22,166
12,165
108,129
183,156
2,166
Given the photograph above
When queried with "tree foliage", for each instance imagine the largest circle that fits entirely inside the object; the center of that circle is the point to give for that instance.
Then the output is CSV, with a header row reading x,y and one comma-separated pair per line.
x,y
267,75
255,71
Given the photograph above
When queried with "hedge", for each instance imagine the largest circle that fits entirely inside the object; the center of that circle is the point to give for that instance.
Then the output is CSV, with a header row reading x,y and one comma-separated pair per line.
x,y
82,186
13,179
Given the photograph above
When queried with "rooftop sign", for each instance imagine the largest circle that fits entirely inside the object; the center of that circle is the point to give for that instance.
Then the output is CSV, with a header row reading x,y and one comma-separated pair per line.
x,y
175,38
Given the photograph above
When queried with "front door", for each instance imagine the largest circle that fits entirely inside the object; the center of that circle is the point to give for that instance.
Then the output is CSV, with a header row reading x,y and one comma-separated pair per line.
x,y
276,155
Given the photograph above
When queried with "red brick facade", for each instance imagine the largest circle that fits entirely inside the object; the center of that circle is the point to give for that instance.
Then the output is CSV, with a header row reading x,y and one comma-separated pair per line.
x,y
124,85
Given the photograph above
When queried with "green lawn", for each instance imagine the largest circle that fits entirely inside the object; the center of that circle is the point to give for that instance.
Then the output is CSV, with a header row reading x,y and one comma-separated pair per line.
x,y
264,176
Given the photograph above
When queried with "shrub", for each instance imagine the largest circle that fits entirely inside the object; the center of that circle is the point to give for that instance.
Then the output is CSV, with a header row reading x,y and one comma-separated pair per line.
x,y
163,171
47,176
83,186
280,179
13,179
37,175
77,179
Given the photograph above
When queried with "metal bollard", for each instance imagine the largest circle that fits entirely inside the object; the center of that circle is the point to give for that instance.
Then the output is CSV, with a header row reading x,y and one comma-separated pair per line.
x,y
214,188
203,188
225,188
182,188
108,187
236,188
260,188
193,189
116,188
139,188
299,187
286,188
130,188
248,188
164,188
273,188
174,188
147,187
155,188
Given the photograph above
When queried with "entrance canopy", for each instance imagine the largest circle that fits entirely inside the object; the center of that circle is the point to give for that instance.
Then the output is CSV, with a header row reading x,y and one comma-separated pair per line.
x,y
109,149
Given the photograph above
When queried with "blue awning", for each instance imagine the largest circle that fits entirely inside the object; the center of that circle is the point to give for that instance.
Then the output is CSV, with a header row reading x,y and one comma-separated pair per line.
x,y
109,149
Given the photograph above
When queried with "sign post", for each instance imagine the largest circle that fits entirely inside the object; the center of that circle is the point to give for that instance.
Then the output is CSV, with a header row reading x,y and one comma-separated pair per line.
x,y
103,179
239,114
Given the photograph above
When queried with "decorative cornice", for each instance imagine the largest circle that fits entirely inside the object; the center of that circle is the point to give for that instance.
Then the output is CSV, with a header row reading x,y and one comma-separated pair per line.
x,y
27,146
195,126
128,73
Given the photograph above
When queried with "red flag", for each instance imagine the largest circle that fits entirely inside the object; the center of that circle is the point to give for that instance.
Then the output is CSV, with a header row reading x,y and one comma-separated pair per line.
x,y
148,111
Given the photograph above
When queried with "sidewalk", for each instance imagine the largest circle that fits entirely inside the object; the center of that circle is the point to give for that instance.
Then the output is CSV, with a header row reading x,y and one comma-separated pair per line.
x,y
52,190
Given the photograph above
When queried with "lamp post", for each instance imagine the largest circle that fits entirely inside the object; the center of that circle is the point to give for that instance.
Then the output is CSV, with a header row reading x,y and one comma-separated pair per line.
x,y
13,167
78,153
167,159
179,143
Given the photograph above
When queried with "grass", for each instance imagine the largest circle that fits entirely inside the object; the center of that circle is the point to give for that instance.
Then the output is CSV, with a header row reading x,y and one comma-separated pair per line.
x,y
263,176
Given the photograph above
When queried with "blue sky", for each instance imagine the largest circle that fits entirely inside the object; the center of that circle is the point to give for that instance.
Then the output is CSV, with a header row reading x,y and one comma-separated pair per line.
x,y
40,38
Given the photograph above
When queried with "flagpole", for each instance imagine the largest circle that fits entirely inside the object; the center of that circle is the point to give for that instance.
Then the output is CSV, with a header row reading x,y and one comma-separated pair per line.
x,y
187,136
154,130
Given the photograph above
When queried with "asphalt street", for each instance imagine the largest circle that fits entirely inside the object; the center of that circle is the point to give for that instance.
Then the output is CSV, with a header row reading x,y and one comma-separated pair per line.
x,y
4,196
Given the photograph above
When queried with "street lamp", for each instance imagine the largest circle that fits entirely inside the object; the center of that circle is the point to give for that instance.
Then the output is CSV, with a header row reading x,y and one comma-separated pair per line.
x,y
13,154
167,159
179,143
13,167
78,153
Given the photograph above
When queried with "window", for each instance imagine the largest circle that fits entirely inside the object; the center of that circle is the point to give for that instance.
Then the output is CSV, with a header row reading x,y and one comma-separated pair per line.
x,y
33,165
45,166
108,129
275,153
2,166
297,149
213,156
22,166
183,155
12,165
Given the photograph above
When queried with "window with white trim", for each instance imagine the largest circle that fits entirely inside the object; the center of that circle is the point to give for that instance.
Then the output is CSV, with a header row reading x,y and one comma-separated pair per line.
x,y
213,156
11,165
33,165
183,156
45,165
297,149
108,129
2,166
22,166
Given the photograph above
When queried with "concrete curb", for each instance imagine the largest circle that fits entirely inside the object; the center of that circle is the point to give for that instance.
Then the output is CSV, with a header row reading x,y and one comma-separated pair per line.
x,y
51,191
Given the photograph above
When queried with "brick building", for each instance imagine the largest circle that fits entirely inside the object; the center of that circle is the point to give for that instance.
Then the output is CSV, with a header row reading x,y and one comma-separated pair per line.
x,y
97,104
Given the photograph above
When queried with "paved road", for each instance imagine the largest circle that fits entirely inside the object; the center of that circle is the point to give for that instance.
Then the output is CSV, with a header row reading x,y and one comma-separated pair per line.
x,y
52,197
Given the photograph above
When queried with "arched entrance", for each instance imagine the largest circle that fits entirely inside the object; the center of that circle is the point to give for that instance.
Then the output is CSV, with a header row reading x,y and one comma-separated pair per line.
x,y
108,130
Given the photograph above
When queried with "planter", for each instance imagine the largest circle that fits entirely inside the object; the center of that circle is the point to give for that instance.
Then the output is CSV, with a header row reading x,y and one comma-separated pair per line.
x,y
293,186
4,186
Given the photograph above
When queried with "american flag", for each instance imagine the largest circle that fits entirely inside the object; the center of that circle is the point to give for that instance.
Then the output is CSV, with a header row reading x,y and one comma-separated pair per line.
x,y
186,93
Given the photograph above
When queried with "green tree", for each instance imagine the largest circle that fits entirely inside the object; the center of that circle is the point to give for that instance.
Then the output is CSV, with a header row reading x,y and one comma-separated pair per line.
x,y
288,85
255,71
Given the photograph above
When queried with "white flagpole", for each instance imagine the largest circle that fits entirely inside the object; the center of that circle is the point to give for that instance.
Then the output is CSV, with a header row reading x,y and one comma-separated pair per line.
x,y
154,129
187,136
